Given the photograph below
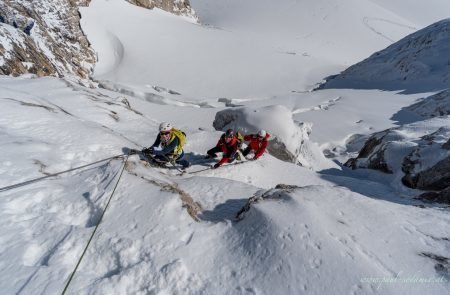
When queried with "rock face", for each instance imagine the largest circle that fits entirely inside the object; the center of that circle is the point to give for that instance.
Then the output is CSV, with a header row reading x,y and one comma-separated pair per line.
x,y
372,154
415,153
417,63
433,106
446,145
179,7
44,38
439,197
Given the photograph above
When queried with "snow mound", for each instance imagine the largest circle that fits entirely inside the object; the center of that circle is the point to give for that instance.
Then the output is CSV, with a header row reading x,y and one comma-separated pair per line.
x,y
416,63
333,229
289,139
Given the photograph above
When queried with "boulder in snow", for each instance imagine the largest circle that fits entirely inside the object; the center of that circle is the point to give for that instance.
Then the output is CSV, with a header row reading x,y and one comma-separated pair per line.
x,y
289,139
412,153
438,197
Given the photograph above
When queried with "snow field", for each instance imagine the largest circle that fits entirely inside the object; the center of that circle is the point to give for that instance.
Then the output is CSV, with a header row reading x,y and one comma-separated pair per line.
x,y
337,233
148,241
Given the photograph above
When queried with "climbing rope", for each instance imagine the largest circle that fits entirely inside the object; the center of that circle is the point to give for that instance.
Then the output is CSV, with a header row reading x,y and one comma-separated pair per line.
x,y
210,168
96,227
6,188
193,172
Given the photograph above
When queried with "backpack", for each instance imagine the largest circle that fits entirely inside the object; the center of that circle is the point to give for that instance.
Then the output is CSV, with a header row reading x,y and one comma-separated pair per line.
x,y
240,138
181,140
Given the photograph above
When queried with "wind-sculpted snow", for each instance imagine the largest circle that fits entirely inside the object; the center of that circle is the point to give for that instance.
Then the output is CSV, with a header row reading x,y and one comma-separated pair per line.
x,y
416,63
323,235
153,94
289,139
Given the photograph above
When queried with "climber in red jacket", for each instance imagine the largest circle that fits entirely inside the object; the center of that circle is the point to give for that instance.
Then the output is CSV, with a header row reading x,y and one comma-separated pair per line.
x,y
228,145
257,144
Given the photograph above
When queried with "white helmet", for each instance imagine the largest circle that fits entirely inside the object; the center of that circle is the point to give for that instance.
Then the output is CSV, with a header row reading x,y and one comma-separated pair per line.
x,y
164,126
262,133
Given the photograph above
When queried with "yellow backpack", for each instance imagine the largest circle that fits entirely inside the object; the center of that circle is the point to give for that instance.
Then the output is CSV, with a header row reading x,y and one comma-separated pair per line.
x,y
239,137
181,140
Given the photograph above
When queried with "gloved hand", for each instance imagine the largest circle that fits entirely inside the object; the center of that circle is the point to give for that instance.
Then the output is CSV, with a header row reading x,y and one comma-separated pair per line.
x,y
148,150
253,159
216,166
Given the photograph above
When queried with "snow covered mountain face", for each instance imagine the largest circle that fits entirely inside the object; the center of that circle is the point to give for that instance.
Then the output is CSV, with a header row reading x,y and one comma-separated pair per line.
x,y
417,63
32,32
295,221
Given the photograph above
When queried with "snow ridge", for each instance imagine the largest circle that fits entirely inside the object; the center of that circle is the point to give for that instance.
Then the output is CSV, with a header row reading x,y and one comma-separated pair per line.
x,y
417,63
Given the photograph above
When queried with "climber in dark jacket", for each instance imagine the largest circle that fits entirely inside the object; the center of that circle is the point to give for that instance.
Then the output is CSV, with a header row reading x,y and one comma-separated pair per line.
x,y
168,146
228,145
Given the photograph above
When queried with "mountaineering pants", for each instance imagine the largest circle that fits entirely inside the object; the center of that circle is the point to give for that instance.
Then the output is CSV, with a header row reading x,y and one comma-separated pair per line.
x,y
213,153
246,151
178,160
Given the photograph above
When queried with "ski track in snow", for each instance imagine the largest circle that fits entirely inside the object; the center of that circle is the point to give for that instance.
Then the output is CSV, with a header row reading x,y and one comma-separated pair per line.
x,y
368,20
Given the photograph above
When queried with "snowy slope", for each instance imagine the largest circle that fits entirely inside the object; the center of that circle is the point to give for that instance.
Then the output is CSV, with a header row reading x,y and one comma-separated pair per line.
x,y
420,12
417,63
279,45
318,239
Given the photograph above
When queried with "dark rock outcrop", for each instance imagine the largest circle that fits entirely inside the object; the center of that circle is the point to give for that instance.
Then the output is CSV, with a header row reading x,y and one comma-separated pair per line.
x,y
435,178
44,38
446,145
179,7
439,197
421,162
372,154
280,192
